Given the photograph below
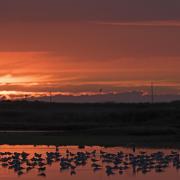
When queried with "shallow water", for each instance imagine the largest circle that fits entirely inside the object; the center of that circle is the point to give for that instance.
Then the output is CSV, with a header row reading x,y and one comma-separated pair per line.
x,y
53,171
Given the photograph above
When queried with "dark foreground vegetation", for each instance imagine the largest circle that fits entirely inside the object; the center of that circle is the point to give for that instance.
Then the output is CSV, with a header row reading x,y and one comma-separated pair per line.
x,y
103,124
104,119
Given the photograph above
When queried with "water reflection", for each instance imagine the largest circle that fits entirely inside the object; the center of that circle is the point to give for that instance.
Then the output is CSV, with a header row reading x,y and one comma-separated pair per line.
x,y
72,162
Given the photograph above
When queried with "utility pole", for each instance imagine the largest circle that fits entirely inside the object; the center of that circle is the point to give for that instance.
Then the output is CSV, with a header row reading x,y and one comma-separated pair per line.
x,y
50,97
152,92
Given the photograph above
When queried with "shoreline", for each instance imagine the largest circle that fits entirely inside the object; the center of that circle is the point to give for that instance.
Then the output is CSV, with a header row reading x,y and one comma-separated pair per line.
x,y
51,138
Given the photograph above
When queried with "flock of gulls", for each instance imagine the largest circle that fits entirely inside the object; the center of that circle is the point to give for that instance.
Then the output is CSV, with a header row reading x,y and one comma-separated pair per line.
x,y
110,163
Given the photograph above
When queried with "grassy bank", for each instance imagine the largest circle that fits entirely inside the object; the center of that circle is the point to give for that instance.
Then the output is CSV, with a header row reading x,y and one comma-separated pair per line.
x,y
93,119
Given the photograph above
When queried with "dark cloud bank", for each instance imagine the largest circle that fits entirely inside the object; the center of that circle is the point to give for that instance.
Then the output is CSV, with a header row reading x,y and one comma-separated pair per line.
x,y
80,10
128,97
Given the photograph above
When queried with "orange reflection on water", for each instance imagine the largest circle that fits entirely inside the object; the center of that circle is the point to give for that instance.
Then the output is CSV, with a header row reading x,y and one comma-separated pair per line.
x,y
83,172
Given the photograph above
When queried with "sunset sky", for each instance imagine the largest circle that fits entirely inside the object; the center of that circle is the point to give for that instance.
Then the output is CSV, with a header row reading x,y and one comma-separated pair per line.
x,y
84,45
